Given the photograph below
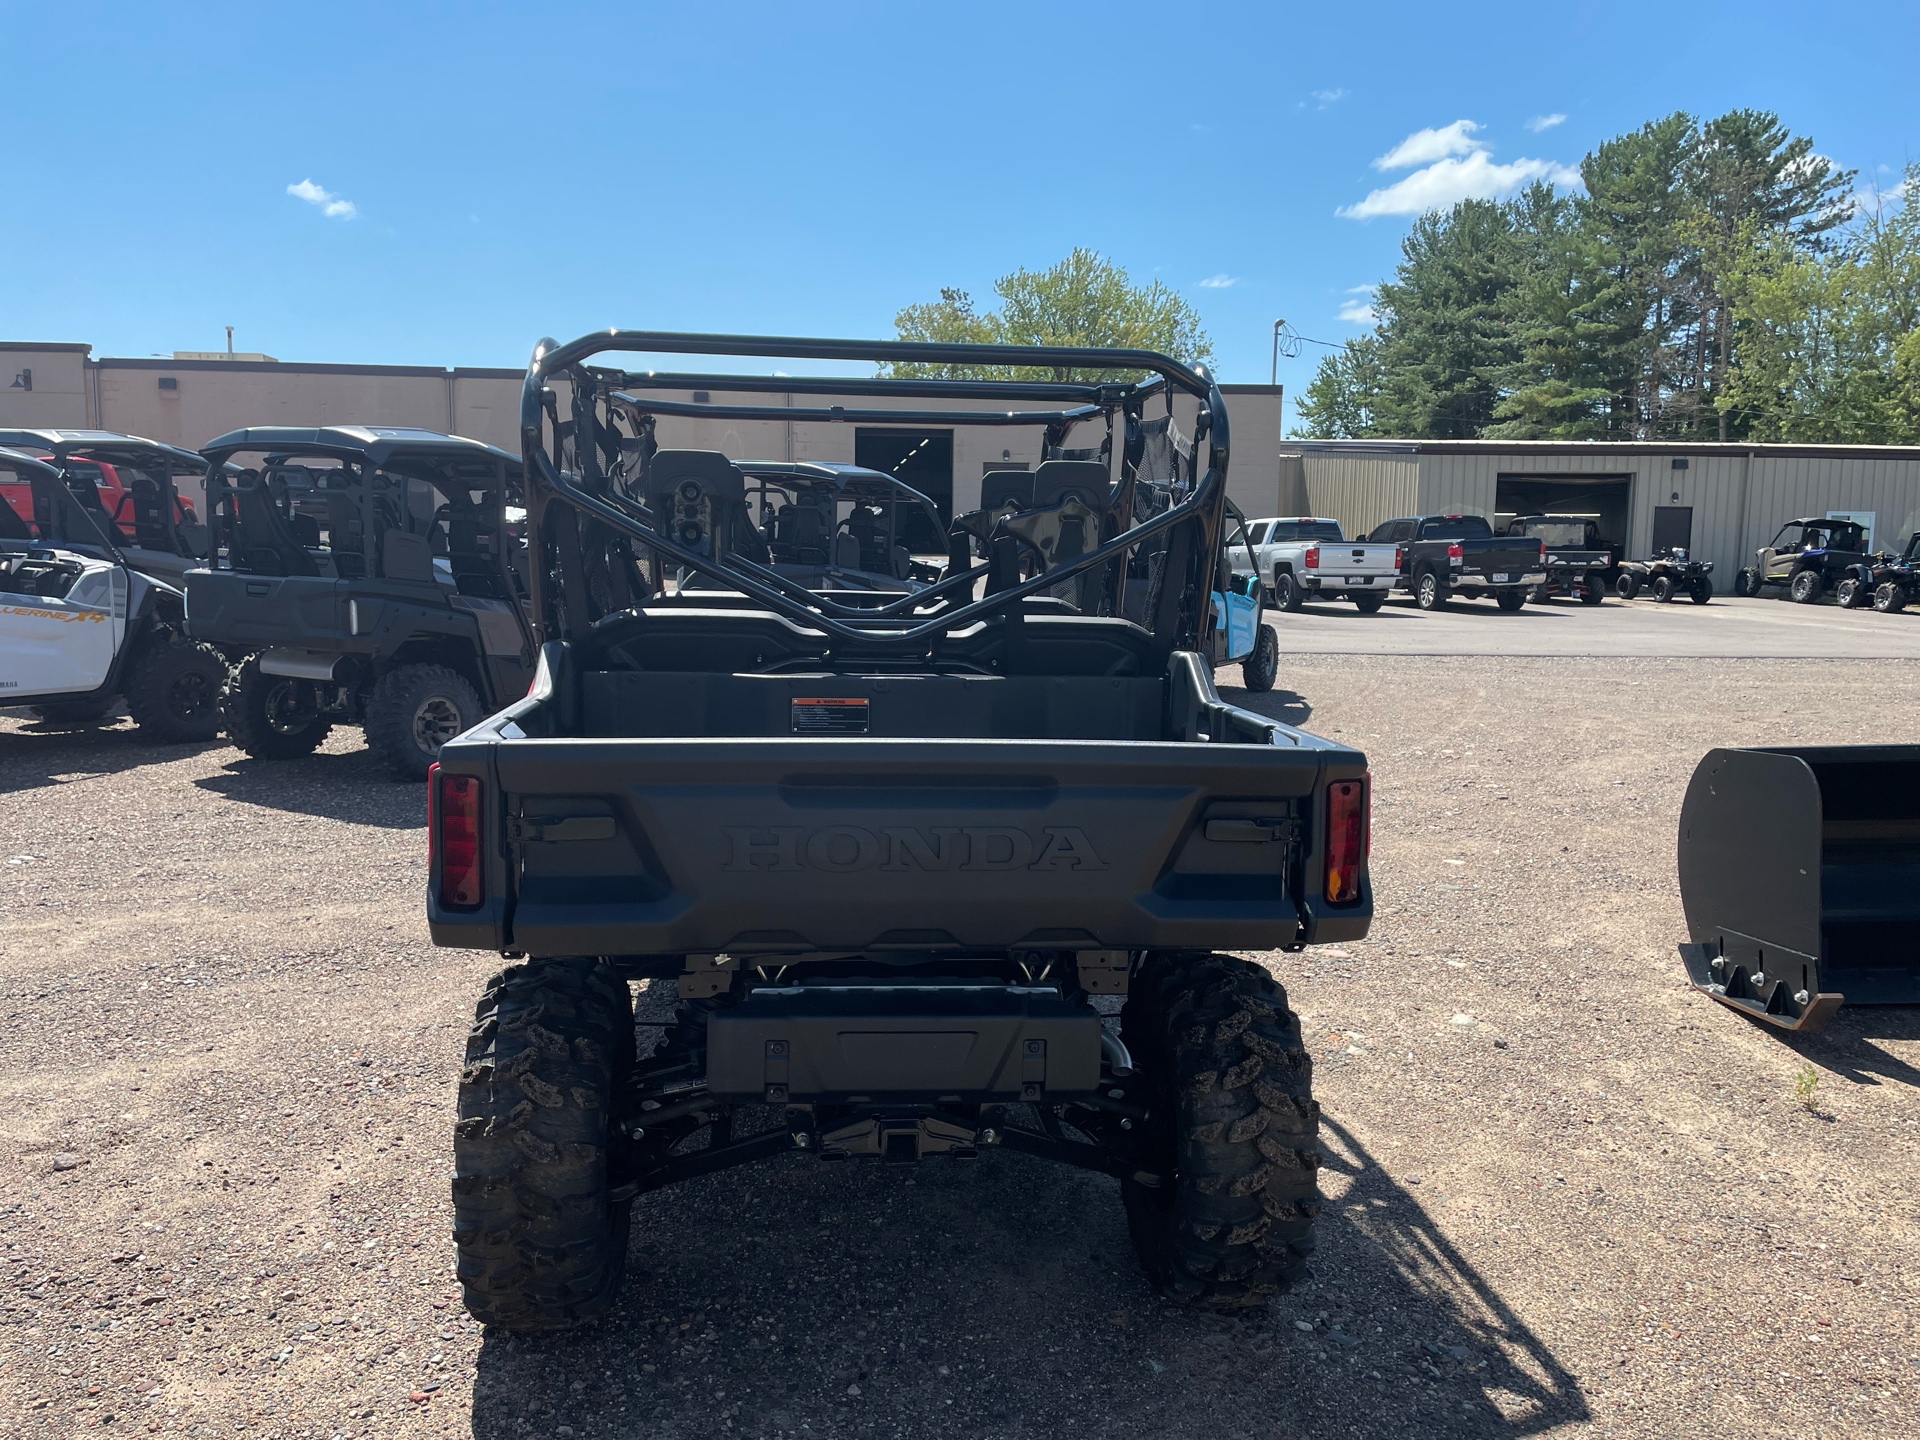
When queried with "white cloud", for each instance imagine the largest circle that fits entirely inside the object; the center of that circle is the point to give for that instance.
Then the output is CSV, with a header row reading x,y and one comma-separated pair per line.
x,y
1424,146
1357,312
329,204
1328,97
1449,181
1546,122
1879,200
1219,282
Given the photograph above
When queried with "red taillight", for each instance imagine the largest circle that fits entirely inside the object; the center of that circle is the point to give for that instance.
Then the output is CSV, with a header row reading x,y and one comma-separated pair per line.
x,y
1543,550
1313,557
1399,558
1348,835
1454,552
453,830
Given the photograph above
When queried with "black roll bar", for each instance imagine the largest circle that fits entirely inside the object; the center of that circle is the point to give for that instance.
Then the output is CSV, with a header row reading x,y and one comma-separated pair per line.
x,y
881,627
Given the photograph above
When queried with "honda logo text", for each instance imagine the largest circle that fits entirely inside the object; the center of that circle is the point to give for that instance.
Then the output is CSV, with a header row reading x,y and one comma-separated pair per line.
x,y
971,849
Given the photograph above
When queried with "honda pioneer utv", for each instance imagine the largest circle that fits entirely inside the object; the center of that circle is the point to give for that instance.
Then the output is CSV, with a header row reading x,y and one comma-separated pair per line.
x,y
897,852
81,629
361,575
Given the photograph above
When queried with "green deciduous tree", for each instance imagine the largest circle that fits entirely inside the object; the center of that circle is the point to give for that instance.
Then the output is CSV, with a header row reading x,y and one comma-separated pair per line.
x,y
1085,299
1828,341
1340,401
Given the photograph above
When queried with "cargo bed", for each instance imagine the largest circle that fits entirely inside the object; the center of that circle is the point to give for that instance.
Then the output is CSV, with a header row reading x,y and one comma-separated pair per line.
x,y
769,844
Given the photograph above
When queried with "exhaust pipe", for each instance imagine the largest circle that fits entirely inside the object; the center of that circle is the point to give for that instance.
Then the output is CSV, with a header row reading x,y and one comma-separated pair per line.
x,y
306,665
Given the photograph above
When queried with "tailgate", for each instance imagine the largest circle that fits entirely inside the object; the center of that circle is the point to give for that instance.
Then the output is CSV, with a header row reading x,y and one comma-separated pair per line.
x,y
678,846
1499,556
1345,559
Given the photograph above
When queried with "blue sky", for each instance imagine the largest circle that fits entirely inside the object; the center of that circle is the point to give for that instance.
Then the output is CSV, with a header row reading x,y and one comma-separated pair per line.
x,y
417,184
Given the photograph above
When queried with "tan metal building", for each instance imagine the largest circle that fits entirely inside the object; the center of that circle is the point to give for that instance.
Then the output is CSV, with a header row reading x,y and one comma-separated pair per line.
x,y
1722,501
188,401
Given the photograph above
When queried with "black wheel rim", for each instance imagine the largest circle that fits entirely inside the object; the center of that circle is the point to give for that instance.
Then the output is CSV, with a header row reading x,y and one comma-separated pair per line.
x,y
190,696
436,721
288,711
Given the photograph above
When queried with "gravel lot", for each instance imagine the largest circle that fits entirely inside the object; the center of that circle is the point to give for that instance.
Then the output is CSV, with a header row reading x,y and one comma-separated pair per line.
x,y
1566,1196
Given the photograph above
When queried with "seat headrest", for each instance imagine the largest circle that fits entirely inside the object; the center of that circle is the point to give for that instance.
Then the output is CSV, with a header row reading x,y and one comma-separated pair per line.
x,y
1001,489
1055,479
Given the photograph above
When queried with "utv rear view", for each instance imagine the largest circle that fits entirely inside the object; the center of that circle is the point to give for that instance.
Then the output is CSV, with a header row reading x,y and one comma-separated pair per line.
x,y
935,871
361,575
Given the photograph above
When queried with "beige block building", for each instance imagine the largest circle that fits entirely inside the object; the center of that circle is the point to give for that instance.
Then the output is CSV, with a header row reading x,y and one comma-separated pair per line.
x,y
187,401
1721,501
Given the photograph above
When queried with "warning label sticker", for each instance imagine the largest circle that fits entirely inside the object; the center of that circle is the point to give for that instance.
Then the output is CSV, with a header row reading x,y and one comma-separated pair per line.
x,y
830,715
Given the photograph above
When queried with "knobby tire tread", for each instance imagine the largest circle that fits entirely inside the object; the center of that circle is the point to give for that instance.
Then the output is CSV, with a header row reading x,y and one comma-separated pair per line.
x,y
390,708
153,674
540,1247
1237,1225
243,714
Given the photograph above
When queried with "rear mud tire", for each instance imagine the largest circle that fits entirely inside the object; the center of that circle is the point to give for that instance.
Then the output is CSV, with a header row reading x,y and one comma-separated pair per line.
x,y
1593,589
1287,592
1510,600
1627,586
1889,598
1701,591
535,1151
416,709
1234,1128
1369,604
1853,593
1259,670
271,717
173,693
1806,588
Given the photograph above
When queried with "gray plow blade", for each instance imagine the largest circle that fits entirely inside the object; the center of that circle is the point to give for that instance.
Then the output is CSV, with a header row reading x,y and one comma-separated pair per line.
x,y
1800,877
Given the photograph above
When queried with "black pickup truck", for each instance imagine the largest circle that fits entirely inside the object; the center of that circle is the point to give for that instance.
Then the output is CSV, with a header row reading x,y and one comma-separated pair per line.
x,y
890,848
1442,556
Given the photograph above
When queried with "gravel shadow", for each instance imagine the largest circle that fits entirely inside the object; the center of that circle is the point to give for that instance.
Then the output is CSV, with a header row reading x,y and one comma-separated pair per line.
x,y
1000,1298
37,753
350,786
1286,706
1845,1047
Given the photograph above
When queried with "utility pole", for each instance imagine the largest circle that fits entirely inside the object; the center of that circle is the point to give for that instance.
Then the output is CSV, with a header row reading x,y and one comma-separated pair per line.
x,y
229,342
1278,325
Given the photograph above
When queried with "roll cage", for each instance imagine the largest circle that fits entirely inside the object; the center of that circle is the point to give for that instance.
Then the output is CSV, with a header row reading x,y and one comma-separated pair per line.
x,y
603,522
266,517
60,519
154,525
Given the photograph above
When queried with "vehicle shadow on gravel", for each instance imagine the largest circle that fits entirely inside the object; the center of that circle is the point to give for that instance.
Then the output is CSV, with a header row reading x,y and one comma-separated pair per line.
x,y
1845,1047
1287,706
1000,1298
35,754
352,787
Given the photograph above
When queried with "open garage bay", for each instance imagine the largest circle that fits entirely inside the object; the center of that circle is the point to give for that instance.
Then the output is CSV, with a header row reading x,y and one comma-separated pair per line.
x,y
1566,1195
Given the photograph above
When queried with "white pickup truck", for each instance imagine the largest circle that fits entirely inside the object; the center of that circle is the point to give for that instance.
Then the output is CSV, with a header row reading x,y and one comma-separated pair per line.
x,y
1304,556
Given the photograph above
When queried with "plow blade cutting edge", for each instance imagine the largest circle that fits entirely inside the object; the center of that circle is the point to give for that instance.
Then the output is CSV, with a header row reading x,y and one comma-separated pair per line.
x,y
1800,877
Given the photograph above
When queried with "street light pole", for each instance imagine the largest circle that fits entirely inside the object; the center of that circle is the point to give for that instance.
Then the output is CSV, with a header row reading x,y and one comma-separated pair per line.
x,y
1278,325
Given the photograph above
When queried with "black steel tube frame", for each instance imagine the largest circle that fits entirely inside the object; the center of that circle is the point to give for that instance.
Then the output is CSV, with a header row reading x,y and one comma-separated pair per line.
x,y
1090,393
551,360
76,519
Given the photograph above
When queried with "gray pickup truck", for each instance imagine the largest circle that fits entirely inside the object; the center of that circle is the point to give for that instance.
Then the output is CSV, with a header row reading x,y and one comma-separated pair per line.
x,y
933,872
